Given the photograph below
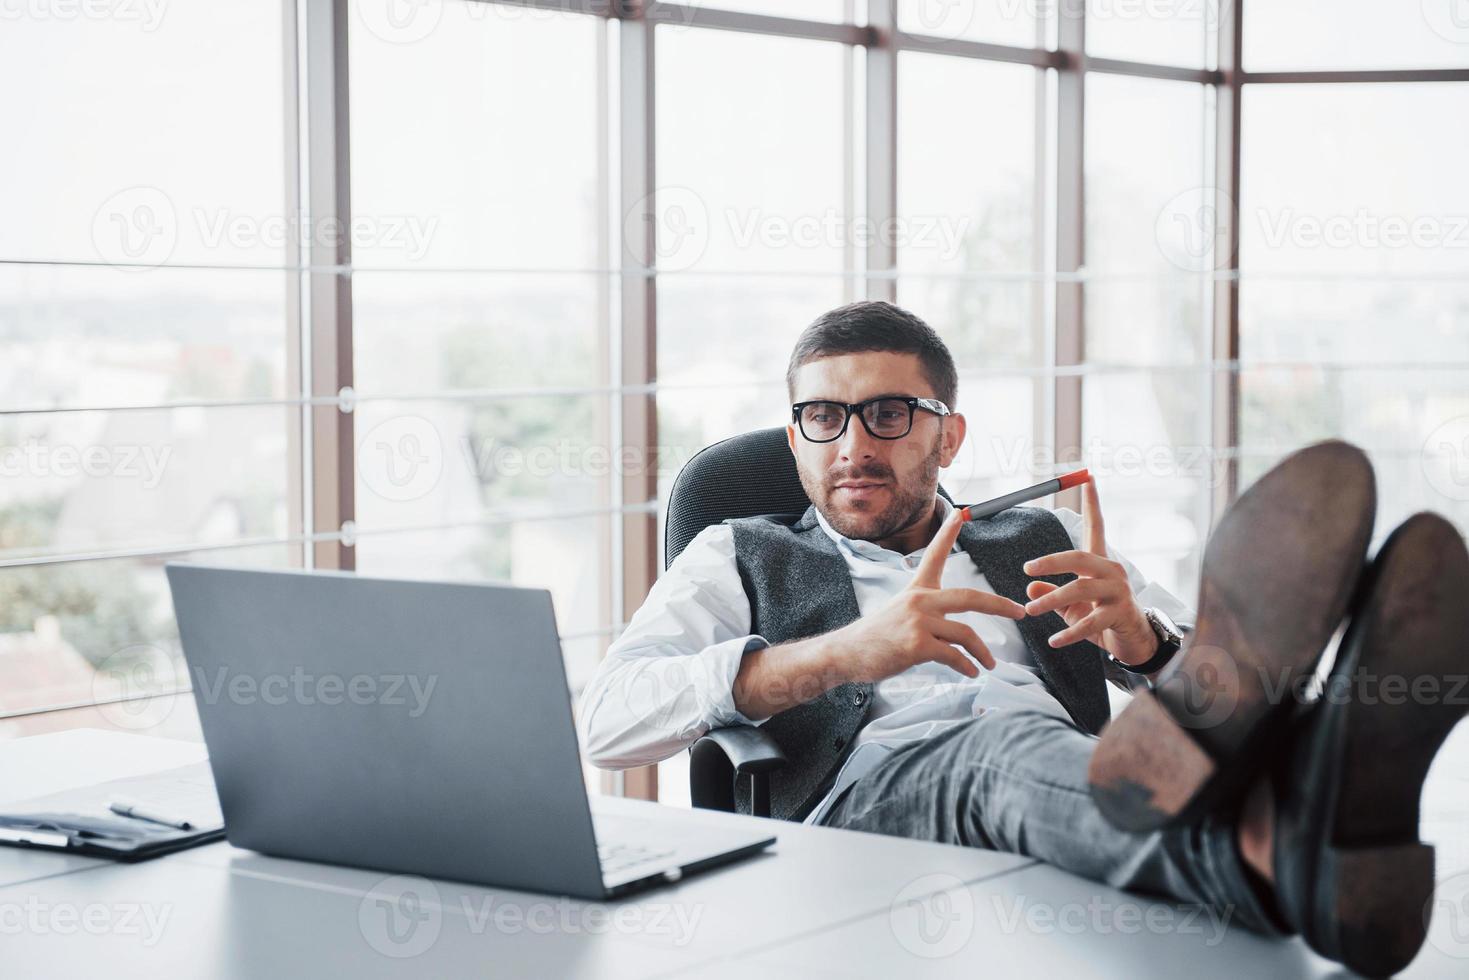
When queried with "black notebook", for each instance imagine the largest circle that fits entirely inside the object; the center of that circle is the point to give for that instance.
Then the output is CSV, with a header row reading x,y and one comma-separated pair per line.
x,y
80,821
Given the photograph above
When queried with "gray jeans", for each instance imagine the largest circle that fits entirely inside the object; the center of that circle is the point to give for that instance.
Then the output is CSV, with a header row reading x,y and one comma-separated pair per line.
x,y
1015,780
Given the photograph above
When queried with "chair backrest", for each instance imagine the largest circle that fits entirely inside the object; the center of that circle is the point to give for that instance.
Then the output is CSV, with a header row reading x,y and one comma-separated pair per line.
x,y
743,476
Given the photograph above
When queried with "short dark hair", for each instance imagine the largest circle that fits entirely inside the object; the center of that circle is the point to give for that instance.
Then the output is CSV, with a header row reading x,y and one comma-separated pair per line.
x,y
872,325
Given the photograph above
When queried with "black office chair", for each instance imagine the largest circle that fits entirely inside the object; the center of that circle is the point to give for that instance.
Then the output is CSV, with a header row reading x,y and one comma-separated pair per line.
x,y
743,476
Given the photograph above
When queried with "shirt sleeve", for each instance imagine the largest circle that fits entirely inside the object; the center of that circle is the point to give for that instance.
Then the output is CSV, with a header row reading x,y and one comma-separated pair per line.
x,y
669,677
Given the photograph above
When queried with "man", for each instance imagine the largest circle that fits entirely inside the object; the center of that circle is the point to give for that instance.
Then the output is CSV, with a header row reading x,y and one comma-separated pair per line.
x,y
943,680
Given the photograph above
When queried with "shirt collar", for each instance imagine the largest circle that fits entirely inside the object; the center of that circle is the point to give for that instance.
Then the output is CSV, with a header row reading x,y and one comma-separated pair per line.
x,y
871,550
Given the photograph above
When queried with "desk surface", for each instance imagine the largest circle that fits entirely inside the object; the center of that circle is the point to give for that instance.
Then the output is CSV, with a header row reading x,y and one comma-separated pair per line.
x,y
821,903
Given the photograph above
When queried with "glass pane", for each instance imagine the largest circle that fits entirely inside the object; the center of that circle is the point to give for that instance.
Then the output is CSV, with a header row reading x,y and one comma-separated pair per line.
x,y
151,134
1165,32
988,325
85,336
1144,185
83,482
717,332
1344,34
1017,22
450,169
1308,321
750,163
430,462
1414,423
831,11
80,632
1355,180
1145,440
1000,448
966,207
447,331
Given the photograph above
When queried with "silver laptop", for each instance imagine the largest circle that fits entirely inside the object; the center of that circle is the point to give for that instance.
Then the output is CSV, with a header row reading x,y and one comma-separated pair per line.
x,y
414,727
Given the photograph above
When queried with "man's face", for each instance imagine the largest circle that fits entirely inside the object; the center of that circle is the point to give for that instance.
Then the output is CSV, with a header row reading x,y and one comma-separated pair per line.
x,y
869,488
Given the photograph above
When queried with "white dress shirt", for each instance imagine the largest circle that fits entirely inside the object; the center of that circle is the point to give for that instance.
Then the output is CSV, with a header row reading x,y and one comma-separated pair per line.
x,y
670,676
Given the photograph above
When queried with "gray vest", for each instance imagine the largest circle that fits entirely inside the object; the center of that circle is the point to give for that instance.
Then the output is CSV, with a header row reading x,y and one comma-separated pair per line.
x,y
799,586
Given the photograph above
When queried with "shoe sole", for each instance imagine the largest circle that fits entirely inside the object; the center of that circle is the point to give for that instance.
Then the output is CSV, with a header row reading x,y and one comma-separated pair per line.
x,y
1278,575
1374,880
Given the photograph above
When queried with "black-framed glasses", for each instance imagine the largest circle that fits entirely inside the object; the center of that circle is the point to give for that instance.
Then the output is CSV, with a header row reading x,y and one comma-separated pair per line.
x,y
887,417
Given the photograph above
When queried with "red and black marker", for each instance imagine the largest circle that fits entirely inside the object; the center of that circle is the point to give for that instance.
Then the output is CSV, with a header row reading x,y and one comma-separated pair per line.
x,y
991,507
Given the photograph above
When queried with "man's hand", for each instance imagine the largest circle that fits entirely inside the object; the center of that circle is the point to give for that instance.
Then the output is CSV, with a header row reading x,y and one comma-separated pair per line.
x,y
909,629
912,627
1099,605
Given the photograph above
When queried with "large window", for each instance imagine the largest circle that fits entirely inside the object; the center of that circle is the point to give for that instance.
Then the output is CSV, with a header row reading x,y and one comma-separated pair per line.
x,y
452,289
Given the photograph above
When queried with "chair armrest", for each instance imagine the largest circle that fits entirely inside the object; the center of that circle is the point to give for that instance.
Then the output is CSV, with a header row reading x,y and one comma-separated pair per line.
x,y
720,755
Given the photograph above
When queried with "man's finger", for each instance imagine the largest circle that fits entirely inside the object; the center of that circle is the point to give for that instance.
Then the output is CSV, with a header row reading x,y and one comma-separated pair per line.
x,y
952,632
931,570
1094,534
1089,627
1077,562
1087,590
972,600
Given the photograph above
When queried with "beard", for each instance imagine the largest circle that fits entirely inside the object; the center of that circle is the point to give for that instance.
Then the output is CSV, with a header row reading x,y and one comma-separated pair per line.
x,y
909,501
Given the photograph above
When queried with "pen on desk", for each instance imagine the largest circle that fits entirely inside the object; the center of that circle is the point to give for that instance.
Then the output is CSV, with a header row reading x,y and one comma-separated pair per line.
x,y
123,809
991,507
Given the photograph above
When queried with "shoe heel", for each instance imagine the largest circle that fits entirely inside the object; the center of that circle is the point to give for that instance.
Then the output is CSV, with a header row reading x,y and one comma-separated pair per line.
x,y
1147,770
1378,899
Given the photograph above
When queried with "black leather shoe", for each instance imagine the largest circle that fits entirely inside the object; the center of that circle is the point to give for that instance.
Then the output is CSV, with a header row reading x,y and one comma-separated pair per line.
x,y
1278,574
1351,875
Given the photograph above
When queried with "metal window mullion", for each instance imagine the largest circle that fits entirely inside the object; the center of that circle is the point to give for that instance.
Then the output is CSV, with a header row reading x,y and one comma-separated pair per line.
x,y
882,147
298,486
328,199
684,15
1224,383
637,350
1369,76
1069,346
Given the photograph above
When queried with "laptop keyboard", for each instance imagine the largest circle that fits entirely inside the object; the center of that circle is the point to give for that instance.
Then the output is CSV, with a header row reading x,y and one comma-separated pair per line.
x,y
618,857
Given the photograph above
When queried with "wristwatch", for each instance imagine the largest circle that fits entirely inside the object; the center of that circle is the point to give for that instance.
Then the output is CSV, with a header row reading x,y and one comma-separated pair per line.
x,y
1170,639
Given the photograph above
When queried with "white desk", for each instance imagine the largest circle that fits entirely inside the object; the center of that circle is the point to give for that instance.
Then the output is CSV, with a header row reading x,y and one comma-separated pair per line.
x,y
821,903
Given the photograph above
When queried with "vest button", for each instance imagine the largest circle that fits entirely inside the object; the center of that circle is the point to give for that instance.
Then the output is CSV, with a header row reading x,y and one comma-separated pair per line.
x,y
836,743
859,698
